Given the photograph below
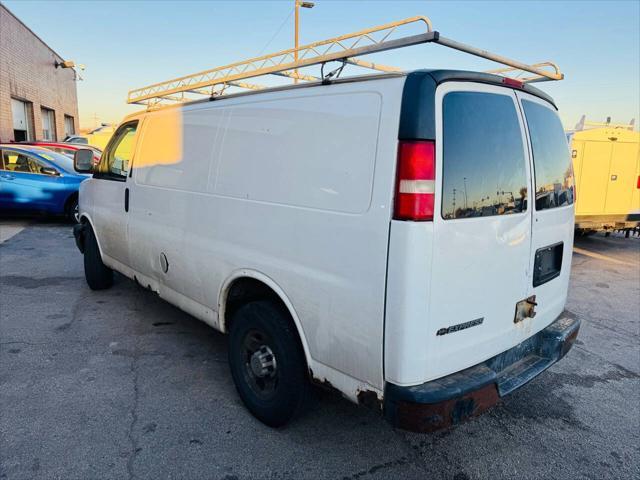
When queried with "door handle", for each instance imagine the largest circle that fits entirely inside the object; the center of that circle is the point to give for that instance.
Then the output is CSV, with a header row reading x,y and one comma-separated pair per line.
x,y
126,199
7,176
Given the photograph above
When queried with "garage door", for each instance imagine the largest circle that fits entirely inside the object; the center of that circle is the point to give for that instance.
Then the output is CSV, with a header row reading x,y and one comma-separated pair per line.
x,y
21,125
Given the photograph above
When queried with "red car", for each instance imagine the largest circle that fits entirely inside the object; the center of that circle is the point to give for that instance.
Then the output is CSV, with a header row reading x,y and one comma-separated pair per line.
x,y
66,148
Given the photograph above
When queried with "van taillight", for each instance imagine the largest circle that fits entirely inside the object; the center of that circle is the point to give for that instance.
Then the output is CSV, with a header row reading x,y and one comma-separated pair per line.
x,y
415,185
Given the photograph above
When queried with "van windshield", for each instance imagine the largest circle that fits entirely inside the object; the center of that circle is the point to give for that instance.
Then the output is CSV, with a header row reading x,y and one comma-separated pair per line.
x,y
484,166
551,159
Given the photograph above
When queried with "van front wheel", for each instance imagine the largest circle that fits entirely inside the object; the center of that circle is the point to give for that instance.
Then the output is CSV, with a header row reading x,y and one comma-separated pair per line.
x,y
267,363
97,274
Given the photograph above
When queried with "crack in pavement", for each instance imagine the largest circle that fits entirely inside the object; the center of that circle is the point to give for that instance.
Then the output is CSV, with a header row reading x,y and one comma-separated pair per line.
x,y
134,415
605,360
380,466
20,342
30,283
135,356
599,322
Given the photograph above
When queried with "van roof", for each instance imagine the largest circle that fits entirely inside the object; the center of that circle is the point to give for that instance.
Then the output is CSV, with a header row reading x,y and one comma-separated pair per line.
x,y
440,76
437,75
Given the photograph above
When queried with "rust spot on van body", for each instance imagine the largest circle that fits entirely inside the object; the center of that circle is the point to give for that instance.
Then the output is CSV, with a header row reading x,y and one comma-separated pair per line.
x,y
369,399
322,382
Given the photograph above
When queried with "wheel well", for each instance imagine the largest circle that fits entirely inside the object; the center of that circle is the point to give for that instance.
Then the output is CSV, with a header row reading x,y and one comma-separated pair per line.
x,y
244,290
70,198
85,223
247,289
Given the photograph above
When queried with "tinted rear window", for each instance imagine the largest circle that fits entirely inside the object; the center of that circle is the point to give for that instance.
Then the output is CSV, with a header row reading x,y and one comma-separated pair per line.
x,y
483,156
551,159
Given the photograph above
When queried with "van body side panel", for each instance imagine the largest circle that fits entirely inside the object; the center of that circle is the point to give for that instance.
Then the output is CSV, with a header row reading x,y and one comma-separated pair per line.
x,y
408,294
178,147
296,185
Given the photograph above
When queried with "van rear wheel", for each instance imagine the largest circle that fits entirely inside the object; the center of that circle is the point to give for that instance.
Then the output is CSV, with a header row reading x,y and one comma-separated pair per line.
x,y
97,274
267,363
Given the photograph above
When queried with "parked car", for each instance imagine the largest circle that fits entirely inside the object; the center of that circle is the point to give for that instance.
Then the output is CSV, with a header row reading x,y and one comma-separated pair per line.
x,y
66,148
377,235
37,180
76,139
98,137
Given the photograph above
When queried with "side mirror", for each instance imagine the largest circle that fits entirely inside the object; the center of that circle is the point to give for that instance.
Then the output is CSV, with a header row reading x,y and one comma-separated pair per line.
x,y
83,160
49,171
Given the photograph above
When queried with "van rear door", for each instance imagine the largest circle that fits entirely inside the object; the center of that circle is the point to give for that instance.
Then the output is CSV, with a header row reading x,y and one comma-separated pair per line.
x,y
492,267
482,233
553,212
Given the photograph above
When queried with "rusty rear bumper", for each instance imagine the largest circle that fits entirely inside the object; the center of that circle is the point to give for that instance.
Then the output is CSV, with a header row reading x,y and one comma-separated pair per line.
x,y
449,400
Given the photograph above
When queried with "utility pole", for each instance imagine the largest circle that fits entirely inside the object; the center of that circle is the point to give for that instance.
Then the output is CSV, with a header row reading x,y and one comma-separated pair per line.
x,y
465,193
454,203
298,4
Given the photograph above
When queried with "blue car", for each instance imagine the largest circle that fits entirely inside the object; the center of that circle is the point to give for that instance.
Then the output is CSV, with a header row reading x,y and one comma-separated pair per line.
x,y
36,180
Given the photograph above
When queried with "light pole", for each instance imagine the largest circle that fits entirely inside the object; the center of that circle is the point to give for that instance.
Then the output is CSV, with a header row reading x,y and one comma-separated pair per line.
x,y
465,193
298,4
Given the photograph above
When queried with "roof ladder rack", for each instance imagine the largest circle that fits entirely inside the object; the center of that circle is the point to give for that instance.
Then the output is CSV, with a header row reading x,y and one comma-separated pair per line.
x,y
216,81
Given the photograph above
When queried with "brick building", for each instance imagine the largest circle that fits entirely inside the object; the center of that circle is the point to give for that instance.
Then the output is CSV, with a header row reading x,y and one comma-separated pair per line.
x,y
38,101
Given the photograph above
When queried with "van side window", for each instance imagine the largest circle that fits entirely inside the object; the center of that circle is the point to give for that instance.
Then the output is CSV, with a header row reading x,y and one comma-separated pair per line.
x,y
551,158
117,156
484,167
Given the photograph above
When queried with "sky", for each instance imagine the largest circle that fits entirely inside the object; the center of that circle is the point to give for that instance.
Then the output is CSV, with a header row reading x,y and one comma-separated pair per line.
x,y
125,45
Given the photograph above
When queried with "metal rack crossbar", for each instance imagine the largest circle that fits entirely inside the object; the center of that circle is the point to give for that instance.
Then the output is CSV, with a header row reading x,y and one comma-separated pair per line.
x,y
216,81
535,78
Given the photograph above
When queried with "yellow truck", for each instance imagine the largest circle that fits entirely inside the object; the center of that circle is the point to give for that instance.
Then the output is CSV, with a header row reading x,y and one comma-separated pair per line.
x,y
606,164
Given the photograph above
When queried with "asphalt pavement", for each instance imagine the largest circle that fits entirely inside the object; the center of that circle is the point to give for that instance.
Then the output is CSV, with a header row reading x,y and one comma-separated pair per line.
x,y
118,384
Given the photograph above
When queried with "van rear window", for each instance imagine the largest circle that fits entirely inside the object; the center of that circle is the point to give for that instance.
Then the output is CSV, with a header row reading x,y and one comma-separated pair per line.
x,y
484,172
551,158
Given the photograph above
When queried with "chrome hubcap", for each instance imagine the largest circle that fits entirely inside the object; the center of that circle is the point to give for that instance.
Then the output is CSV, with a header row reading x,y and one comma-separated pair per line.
x,y
263,363
260,367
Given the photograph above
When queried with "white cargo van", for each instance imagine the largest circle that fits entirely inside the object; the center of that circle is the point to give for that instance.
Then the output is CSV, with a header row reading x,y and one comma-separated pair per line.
x,y
403,238
377,235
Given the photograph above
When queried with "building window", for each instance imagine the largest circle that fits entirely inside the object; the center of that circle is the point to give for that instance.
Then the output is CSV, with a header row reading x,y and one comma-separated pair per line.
x,y
69,127
48,124
22,114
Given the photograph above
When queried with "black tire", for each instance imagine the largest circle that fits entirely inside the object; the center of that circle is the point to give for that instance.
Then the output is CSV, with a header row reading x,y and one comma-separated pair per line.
x,y
71,211
286,389
97,274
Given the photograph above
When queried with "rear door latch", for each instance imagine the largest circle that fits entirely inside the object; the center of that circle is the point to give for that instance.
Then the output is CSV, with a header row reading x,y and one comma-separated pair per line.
x,y
525,309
